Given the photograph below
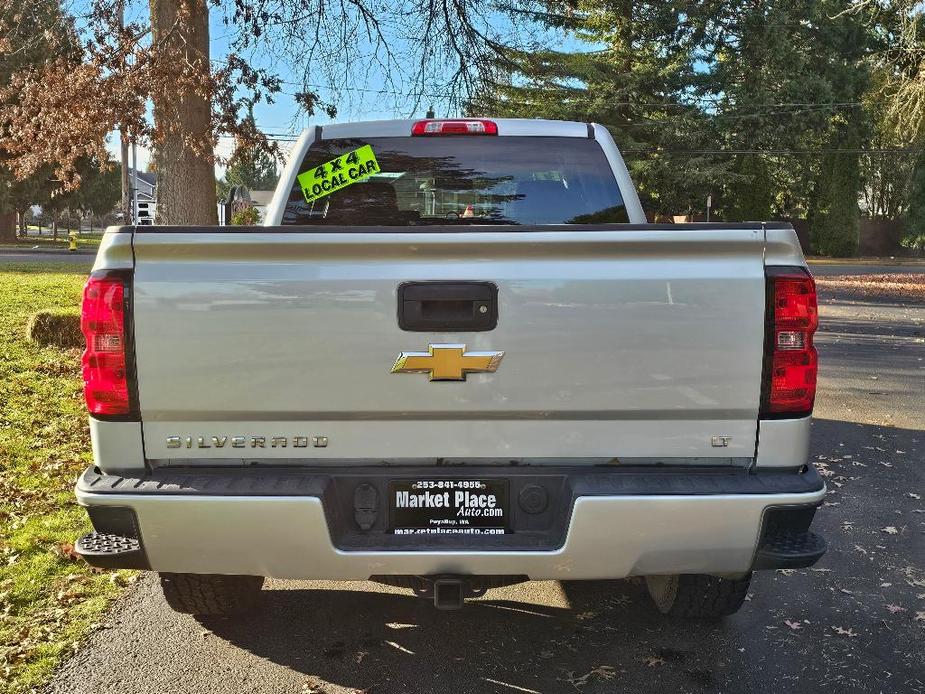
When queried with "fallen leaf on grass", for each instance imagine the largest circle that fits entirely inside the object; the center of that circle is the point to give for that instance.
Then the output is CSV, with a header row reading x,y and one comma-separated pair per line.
x,y
65,550
67,597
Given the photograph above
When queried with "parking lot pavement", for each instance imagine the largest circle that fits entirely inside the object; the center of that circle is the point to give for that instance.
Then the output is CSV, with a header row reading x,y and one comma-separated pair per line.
x,y
853,623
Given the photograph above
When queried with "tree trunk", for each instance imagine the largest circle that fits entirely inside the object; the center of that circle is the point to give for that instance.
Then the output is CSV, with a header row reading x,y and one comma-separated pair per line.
x,y
8,226
185,178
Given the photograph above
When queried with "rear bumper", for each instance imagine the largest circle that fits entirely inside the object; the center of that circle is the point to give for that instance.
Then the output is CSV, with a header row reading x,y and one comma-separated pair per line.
x,y
601,523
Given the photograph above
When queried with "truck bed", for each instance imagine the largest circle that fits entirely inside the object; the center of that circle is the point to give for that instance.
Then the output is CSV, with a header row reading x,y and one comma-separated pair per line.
x,y
621,343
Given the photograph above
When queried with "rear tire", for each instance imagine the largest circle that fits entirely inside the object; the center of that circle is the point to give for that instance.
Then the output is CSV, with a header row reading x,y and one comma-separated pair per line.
x,y
698,596
211,594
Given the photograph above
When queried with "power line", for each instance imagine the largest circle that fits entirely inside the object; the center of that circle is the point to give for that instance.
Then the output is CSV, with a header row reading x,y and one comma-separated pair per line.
x,y
693,101
716,117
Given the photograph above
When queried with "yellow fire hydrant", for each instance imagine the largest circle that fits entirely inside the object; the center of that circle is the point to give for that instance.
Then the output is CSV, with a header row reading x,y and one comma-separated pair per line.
x,y
72,241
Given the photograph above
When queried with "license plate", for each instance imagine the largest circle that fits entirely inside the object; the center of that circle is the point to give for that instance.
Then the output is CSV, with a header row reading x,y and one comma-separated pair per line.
x,y
448,507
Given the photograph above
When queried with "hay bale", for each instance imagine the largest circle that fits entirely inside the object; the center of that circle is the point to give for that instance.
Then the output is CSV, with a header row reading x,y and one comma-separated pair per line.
x,y
55,328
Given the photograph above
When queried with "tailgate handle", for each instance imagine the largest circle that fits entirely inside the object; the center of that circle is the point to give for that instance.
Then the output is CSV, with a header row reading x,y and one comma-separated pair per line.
x,y
447,306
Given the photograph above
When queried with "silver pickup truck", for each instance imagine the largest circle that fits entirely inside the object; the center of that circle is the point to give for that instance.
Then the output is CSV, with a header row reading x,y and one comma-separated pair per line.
x,y
455,357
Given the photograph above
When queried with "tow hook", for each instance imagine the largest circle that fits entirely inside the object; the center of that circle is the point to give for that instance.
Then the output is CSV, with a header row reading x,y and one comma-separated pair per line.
x,y
449,593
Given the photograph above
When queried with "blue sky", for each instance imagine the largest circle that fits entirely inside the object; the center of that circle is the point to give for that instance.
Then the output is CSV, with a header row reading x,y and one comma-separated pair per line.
x,y
356,99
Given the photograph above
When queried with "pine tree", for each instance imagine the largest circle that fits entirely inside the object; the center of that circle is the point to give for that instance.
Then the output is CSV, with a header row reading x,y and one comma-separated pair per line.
x,y
915,217
253,168
637,85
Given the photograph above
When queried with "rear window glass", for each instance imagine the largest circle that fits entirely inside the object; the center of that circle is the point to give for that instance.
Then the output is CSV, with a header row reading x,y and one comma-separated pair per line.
x,y
466,180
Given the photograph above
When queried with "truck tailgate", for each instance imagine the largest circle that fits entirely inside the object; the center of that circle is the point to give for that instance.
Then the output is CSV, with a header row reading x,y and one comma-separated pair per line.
x,y
621,344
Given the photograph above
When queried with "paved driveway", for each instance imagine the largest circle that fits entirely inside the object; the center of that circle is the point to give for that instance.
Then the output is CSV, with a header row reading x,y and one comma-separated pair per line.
x,y
855,622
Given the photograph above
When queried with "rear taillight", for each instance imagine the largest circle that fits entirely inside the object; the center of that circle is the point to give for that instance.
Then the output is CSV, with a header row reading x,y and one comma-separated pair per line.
x,y
106,366
790,357
456,126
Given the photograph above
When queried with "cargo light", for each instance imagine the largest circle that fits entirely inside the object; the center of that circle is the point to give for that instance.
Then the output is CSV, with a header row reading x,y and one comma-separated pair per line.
x,y
456,126
790,357
105,362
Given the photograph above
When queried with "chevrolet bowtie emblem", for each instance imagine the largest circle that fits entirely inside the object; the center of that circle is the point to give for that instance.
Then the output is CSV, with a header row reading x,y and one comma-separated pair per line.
x,y
447,362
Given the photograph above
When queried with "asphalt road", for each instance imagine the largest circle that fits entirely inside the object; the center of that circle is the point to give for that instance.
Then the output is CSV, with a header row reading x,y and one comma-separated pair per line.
x,y
853,623
19,256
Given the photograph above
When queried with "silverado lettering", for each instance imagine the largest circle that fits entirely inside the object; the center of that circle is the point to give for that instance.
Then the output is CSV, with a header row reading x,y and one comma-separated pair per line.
x,y
245,441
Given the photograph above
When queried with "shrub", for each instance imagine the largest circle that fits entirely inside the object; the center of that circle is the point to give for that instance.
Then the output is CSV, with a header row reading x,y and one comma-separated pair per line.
x,y
55,328
247,216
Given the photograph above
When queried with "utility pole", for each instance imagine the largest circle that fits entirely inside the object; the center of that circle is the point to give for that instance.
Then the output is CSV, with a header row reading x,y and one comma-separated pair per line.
x,y
128,215
134,183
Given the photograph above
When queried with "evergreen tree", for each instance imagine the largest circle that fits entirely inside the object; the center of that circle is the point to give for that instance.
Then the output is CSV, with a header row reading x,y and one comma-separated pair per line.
x,y
637,84
252,168
713,97
915,217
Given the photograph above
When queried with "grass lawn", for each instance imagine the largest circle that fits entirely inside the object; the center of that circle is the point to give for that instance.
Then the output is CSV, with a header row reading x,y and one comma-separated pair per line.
x,y
48,598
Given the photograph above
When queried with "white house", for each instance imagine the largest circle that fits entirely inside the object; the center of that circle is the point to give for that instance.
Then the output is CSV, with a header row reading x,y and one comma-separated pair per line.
x,y
145,184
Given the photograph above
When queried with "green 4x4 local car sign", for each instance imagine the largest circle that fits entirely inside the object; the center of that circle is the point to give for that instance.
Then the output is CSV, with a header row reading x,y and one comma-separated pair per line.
x,y
338,173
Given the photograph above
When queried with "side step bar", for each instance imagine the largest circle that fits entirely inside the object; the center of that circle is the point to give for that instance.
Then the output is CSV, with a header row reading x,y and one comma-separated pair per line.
x,y
790,550
786,542
108,551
